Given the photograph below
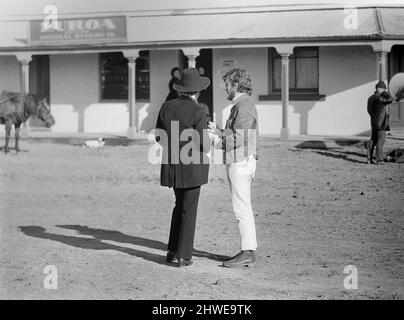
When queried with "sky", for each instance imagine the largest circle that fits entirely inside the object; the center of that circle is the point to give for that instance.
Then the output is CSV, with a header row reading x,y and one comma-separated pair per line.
x,y
28,7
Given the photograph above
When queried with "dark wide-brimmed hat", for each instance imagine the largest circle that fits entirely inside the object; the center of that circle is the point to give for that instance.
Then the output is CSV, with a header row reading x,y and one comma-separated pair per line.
x,y
191,81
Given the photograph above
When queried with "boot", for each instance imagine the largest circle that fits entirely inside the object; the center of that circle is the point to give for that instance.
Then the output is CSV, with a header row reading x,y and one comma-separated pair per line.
x,y
172,257
245,258
184,262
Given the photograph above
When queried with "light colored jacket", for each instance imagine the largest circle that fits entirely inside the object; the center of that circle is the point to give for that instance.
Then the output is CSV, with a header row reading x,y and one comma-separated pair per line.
x,y
240,136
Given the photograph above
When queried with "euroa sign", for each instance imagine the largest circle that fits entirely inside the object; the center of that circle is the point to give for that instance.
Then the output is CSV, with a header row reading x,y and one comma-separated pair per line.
x,y
77,30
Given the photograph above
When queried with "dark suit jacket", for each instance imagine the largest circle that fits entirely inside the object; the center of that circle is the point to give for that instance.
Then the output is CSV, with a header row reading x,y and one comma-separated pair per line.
x,y
188,115
377,110
172,94
206,110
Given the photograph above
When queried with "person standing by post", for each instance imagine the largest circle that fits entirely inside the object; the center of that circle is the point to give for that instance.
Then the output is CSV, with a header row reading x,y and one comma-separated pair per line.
x,y
175,77
240,143
377,105
176,118
204,107
205,96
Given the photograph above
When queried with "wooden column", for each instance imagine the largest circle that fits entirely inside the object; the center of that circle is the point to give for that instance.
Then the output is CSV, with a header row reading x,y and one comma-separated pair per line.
x,y
192,53
285,96
24,59
381,65
131,55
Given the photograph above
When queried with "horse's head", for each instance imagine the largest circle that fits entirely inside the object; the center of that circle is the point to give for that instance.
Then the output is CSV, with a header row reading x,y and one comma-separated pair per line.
x,y
44,113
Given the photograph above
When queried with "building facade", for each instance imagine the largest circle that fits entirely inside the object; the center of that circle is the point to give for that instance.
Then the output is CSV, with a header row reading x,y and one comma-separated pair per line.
x,y
312,68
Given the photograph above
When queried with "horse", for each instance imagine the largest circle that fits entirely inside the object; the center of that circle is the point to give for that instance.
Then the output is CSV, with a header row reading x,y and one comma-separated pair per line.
x,y
16,108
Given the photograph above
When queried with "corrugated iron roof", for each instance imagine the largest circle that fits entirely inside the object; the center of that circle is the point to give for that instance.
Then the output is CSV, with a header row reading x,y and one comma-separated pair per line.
x,y
257,25
392,20
205,26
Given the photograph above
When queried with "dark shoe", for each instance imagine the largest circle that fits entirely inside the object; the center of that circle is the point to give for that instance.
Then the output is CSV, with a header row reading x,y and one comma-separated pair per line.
x,y
231,258
184,262
379,163
371,162
172,257
243,259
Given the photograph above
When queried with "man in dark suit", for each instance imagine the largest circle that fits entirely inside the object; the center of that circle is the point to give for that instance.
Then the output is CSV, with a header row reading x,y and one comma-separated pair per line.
x,y
377,109
205,108
185,166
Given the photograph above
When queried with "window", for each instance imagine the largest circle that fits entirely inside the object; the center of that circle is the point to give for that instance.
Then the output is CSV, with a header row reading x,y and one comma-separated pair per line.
x,y
114,76
303,75
303,70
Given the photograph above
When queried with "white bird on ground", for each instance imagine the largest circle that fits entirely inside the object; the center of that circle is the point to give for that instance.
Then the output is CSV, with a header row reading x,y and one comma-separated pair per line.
x,y
100,142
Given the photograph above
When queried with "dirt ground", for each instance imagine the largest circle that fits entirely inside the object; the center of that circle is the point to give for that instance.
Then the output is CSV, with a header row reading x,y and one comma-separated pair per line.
x,y
101,218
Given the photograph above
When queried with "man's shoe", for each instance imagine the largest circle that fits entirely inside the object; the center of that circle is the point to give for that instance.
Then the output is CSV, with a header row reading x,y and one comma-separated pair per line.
x,y
231,258
172,257
243,259
184,262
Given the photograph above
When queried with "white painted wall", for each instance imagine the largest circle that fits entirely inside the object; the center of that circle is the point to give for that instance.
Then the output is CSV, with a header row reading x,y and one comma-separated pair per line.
x,y
72,89
9,74
347,78
9,80
75,94
75,97
161,63
255,62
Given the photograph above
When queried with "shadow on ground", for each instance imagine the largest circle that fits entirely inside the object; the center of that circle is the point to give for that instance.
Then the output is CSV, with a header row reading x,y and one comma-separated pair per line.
x,y
13,148
334,148
313,144
100,234
116,141
395,138
329,143
344,155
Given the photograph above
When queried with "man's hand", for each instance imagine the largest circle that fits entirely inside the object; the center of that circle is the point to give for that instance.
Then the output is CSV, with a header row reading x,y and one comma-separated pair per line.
x,y
400,95
385,98
385,94
213,129
212,126
214,138
215,135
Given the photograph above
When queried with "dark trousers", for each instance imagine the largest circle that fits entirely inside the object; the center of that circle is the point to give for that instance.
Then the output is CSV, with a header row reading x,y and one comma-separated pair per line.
x,y
377,140
183,221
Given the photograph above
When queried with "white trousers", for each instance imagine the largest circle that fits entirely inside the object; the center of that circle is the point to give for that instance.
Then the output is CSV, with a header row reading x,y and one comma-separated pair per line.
x,y
240,175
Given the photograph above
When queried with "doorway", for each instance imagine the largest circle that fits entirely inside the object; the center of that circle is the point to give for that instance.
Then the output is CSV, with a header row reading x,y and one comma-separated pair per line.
x,y
39,85
204,65
203,61
396,65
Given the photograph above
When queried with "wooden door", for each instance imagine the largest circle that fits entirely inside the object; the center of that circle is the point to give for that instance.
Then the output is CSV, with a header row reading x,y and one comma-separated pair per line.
x,y
396,65
39,84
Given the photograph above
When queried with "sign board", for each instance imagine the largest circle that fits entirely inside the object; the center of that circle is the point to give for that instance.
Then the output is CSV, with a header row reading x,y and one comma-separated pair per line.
x,y
77,30
226,65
